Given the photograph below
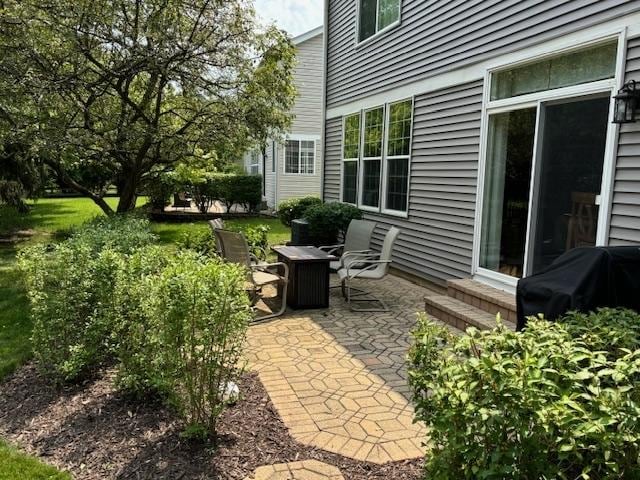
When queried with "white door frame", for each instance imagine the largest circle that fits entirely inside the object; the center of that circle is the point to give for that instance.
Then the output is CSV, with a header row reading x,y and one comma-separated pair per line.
x,y
489,107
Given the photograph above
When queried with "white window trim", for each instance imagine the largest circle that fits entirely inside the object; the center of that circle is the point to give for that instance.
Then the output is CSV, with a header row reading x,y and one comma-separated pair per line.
x,y
363,159
301,138
379,33
490,107
356,160
381,209
251,165
385,210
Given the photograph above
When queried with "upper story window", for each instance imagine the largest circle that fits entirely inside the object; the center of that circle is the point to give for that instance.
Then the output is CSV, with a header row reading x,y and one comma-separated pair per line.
x,y
300,157
572,68
376,15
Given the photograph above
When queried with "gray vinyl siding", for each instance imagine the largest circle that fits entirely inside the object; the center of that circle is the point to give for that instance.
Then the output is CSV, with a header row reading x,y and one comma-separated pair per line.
x,y
436,242
308,81
436,36
332,159
625,214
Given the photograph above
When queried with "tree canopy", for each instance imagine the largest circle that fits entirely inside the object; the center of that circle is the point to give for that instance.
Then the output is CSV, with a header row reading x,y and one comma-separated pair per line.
x,y
111,91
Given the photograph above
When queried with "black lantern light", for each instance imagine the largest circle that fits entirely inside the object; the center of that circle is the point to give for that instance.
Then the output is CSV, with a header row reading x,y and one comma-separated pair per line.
x,y
627,103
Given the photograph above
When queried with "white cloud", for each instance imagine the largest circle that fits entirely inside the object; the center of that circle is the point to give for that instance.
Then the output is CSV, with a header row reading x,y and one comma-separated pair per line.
x,y
294,16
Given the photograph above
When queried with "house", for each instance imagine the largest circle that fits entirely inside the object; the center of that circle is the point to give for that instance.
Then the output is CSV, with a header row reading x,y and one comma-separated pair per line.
x,y
293,168
483,129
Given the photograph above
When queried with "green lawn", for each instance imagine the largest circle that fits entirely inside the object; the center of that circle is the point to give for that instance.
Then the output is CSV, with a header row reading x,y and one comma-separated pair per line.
x,y
15,465
47,217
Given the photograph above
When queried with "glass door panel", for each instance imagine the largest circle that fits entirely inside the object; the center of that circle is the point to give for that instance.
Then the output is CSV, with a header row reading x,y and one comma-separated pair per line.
x,y
568,178
506,191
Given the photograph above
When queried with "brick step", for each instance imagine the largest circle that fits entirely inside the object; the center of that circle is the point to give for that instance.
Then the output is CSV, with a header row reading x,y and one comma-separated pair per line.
x,y
484,297
460,314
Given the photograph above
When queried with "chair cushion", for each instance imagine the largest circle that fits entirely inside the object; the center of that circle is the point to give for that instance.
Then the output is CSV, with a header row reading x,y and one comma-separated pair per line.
x,y
264,278
374,274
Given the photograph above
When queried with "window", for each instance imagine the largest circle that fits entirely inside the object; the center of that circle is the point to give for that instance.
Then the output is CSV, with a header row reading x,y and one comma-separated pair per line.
x,y
350,156
299,157
376,158
372,157
254,165
573,68
398,154
376,15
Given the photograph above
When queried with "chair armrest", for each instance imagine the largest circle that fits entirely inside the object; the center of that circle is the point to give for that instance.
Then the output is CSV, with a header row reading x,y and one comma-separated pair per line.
x,y
331,249
371,265
355,255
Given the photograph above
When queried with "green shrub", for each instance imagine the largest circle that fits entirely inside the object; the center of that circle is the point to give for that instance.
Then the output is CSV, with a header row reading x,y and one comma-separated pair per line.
x,y
134,333
159,190
70,287
201,241
559,400
200,314
230,189
330,220
293,208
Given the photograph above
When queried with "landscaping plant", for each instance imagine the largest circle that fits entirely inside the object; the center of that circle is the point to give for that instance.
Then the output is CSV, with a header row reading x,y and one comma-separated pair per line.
x,y
293,208
70,288
329,221
200,313
556,401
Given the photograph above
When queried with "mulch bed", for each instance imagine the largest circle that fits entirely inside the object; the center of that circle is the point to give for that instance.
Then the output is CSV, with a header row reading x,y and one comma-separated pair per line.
x,y
94,432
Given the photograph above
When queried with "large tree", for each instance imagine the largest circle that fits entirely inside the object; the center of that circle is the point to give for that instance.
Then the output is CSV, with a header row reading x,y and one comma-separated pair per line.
x,y
127,87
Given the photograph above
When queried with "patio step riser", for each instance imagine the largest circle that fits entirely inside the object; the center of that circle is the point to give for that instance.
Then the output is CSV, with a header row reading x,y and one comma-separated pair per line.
x,y
485,298
457,314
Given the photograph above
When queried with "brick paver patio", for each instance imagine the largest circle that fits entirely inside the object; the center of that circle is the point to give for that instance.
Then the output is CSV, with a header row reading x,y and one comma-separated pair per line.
x,y
307,470
338,378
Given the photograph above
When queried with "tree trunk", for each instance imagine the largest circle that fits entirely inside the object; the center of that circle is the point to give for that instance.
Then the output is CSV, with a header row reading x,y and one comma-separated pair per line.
x,y
128,193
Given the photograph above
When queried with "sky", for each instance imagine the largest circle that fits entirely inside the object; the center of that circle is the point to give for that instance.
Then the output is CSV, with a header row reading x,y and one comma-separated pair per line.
x,y
294,16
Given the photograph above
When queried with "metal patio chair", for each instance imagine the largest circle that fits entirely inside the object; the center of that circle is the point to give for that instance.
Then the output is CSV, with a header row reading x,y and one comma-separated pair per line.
x,y
357,240
367,266
234,248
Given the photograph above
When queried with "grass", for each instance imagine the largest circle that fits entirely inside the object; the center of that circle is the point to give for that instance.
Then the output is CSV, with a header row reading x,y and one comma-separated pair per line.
x,y
14,464
47,217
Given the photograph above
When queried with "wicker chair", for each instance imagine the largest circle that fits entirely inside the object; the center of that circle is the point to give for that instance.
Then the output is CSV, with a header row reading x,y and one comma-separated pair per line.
x,y
366,266
234,248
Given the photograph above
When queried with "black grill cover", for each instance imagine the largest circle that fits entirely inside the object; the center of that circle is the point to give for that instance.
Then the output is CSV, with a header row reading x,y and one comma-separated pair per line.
x,y
582,279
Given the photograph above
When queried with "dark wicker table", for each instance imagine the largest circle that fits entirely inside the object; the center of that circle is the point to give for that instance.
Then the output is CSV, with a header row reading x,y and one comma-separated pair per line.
x,y
308,276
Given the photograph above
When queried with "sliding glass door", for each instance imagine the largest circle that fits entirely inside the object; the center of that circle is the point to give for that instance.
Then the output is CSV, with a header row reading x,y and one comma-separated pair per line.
x,y
568,178
543,176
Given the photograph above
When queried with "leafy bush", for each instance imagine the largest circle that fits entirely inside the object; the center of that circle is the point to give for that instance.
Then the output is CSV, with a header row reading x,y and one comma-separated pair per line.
x,y
200,314
330,220
201,241
293,208
230,189
70,288
559,400
134,332
159,190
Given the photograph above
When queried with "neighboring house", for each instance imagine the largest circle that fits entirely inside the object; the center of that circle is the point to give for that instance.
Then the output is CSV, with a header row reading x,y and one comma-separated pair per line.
x,y
293,168
483,129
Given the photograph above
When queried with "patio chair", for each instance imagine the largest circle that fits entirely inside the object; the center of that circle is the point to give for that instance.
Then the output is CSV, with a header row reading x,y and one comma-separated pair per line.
x,y
367,266
234,248
357,240
217,224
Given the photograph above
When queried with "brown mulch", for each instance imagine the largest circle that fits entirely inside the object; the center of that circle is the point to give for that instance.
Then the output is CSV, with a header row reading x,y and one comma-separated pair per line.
x,y
95,432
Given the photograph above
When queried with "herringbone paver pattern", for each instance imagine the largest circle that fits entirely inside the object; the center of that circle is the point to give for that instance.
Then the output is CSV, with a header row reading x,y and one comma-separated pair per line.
x,y
307,470
338,378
